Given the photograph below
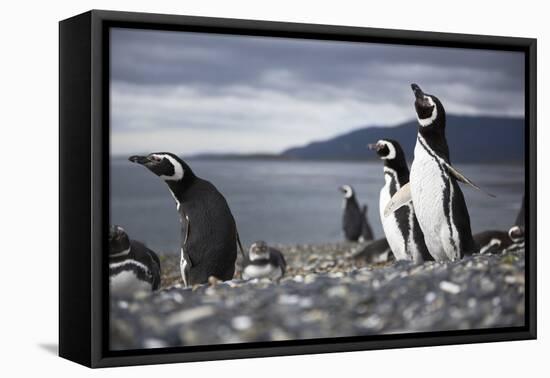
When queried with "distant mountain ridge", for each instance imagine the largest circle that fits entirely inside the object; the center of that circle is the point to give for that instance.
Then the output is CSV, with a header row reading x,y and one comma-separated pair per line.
x,y
471,139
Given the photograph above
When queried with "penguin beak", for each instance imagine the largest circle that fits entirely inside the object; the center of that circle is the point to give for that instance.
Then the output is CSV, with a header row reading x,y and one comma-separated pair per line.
x,y
374,146
417,91
341,188
139,159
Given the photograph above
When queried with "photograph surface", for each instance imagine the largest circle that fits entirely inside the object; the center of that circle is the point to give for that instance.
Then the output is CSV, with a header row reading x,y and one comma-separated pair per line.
x,y
268,189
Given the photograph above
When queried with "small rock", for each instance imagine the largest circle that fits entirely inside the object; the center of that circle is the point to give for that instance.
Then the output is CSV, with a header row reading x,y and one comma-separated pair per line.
x,y
449,287
191,315
430,297
338,291
241,323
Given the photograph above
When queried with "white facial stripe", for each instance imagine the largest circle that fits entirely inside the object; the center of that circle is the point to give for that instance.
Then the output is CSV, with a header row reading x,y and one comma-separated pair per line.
x,y
178,169
428,121
349,191
515,239
494,242
391,148
123,253
129,262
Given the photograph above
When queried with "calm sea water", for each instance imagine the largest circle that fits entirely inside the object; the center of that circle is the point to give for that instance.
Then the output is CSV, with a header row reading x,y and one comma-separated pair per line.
x,y
290,202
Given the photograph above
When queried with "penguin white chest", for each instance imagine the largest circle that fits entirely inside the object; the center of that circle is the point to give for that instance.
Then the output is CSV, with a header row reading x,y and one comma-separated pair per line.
x,y
429,183
394,236
262,271
126,283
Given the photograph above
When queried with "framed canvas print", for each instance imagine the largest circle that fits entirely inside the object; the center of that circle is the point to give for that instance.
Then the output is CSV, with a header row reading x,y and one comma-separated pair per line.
x,y
233,188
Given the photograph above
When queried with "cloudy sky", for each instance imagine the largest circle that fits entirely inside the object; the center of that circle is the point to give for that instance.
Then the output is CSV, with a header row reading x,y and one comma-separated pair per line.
x,y
193,93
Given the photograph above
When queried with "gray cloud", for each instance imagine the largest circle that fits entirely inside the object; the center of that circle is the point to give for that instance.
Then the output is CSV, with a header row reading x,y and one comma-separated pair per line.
x,y
288,91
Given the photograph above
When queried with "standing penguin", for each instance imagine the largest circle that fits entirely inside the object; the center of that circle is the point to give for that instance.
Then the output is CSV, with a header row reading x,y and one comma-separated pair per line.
x,y
433,188
354,220
208,231
401,227
264,262
132,266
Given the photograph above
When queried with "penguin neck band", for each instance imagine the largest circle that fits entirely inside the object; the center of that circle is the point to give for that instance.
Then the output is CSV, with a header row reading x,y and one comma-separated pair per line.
x,y
391,148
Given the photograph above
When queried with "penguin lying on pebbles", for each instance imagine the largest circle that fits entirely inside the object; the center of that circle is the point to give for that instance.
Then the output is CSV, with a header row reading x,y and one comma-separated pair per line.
x,y
354,220
264,262
433,186
500,241
132,266
401,228
493,241
208,231
376,252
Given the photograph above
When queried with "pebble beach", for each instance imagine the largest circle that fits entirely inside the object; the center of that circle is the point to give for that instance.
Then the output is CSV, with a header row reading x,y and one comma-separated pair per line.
x,y
326,292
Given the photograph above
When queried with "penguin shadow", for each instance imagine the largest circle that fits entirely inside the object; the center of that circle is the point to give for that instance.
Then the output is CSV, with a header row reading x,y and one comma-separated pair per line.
x,y
52,348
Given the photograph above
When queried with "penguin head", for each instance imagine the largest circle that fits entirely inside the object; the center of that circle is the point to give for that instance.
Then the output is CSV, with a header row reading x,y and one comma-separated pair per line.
x,y
166,165
516,234
429,110
119,243
390,151
347,190
258,251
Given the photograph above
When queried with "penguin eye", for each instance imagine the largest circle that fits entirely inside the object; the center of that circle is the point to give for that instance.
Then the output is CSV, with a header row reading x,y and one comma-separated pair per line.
x,y
155,158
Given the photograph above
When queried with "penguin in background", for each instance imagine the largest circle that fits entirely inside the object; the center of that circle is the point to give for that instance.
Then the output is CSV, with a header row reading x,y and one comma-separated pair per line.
x,y
264,262
132,266
517,232
493,241
433,187
501,241
208,231
376,252
401,227
520,219
355,223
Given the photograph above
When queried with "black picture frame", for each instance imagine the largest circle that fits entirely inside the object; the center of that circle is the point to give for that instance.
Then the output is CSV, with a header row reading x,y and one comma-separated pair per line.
x,y
84,187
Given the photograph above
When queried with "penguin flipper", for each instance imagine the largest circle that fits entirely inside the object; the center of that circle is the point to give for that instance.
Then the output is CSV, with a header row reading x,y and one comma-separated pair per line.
x,y
460,177
399,199
240,244
185,231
